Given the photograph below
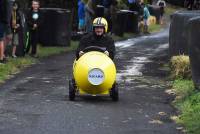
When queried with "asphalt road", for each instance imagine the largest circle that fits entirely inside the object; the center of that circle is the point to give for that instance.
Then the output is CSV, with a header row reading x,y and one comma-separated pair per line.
x,y
36,100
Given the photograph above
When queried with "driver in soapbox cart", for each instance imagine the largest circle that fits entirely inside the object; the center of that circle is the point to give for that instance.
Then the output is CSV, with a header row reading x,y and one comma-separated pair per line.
x,y
98,38
94,72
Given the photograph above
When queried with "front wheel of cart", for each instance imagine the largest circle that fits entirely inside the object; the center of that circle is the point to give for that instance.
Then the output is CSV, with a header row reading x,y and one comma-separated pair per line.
x,y
114,93
72,91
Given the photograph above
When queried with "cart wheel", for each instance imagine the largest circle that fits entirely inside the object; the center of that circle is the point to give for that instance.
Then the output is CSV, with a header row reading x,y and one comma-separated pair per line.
x,y
114,92
72,91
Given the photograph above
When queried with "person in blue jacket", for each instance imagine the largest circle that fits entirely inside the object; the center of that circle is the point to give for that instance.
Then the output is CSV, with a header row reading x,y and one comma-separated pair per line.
x,y
81,15
146,15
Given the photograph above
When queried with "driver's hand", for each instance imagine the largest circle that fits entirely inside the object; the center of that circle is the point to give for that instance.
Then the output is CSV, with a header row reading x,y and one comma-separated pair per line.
x,y
81,53
107,53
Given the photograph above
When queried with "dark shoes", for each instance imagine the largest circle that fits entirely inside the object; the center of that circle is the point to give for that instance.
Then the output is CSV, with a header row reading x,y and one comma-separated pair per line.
x,y
3,61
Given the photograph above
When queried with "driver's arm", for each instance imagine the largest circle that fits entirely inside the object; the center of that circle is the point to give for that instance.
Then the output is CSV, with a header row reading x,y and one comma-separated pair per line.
x,y
111,48
81,46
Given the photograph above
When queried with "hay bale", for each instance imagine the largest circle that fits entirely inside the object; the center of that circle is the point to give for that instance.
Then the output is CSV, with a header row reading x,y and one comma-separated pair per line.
x,y
180,67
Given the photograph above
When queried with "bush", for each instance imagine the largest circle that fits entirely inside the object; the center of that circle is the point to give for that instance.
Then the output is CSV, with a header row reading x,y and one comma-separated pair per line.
x,y
180,67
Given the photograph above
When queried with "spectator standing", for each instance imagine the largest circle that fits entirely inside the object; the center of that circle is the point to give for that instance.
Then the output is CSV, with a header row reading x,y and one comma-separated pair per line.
x,y
190,4
3,23
107,12
34,20
8,31
146,15
113,12
81,15
89,15
15,25
162,5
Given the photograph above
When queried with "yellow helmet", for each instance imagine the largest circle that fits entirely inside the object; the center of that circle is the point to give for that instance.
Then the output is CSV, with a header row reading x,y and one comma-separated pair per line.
x,y
101,22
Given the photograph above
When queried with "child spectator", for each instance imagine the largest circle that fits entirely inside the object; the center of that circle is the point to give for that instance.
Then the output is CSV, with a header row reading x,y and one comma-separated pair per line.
x,y
162,5
146,15
81,15
34,20
15,24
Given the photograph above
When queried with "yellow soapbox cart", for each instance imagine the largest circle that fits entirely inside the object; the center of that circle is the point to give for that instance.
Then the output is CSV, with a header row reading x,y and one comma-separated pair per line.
x,y
94,73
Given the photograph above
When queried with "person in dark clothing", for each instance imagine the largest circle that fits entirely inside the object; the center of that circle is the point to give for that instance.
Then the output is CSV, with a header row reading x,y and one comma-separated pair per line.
x,y
107,12
189,4
162,5
34,20
113,15
97,38
3,24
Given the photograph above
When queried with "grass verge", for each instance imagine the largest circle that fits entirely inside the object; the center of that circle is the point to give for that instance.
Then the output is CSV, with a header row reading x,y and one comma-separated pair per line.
x,y
47,51
170,9
154,28
124,37
188,102
14,66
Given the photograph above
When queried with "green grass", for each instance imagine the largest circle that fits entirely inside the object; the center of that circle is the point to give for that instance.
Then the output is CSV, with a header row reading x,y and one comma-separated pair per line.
x,y
190,116
188,102
183,88
14,66
170,10
154,28
47,51
124,37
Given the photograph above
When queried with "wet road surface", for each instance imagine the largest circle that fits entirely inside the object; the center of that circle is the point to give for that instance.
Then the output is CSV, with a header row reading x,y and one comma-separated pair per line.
x,y
36,100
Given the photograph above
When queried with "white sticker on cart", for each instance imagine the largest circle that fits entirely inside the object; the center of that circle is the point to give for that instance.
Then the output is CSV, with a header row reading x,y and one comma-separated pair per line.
x,y
96,76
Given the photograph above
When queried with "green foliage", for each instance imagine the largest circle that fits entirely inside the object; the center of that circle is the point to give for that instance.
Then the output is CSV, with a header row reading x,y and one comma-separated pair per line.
x,y
183,88
47,51
180,67
14,66
188,102
170,10
154,28
190,116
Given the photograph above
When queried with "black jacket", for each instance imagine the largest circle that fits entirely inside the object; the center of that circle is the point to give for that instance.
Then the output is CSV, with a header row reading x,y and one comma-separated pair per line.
x,y
31,21
91,40
3,12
